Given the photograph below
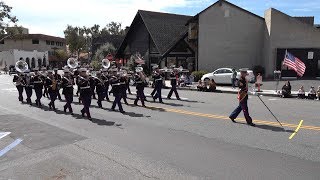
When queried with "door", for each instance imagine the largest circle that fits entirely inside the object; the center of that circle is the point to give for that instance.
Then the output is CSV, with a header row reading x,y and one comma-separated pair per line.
x,y
218,76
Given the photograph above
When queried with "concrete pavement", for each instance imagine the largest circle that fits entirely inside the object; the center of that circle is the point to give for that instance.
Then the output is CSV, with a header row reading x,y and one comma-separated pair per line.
x,y
189,139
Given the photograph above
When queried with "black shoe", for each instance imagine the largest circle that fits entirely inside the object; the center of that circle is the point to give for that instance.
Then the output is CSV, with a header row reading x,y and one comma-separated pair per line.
x,y
232,120
112,109
168,97
72,113
251,124
161,102
82,113
50,107
178,99
90,118
144,106
122,112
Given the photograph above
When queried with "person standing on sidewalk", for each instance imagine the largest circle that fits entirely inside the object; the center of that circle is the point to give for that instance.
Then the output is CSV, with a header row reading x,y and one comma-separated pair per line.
x,y
243,99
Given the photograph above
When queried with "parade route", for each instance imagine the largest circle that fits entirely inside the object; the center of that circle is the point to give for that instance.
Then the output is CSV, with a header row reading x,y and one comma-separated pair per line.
x,y
188,139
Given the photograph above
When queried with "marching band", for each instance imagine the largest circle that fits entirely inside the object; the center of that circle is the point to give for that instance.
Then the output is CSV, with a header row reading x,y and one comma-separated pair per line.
x,y
48,83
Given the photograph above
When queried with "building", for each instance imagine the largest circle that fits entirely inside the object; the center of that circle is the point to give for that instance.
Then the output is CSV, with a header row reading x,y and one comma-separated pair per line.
x,y
160,38
32,58
35,42
225,35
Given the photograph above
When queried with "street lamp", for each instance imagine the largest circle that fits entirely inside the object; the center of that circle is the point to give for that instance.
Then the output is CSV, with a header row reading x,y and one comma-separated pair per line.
x,y
88,38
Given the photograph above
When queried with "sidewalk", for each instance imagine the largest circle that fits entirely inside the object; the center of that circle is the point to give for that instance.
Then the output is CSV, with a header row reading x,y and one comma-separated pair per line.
x,y
228,89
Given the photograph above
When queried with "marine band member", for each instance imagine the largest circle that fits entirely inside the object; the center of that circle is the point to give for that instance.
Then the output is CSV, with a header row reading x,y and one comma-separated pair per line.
x,y
158,78
100,88
18,79
140,82
43,74
28,86
67,90
116,90
38,86
105,77
243,99
58,78
52,84
85,92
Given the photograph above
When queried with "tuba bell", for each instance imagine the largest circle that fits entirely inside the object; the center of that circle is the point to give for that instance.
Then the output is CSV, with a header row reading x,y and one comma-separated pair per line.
x,y
139,69
21,66
105,63
73,63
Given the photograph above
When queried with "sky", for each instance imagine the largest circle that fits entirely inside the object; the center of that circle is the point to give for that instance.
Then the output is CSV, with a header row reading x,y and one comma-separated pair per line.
x,y
51,17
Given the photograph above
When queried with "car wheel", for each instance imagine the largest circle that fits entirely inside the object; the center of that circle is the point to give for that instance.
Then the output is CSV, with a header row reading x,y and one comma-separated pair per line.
x,y
206,80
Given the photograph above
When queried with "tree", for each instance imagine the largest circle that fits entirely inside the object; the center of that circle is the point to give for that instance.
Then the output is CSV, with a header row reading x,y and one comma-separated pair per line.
x,y
7,20
103,51
61,54
115,28
75,39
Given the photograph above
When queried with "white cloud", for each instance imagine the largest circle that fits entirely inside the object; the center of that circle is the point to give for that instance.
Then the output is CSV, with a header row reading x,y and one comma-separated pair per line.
x,y
51,17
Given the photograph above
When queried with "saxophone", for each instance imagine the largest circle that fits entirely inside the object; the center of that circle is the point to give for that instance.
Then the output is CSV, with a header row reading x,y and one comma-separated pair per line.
x,y
54,84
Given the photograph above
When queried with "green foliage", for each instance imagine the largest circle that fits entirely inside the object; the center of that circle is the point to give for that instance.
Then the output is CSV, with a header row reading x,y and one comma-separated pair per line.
x,y
61,54
103,51
75,39
198,75
96,64
6,18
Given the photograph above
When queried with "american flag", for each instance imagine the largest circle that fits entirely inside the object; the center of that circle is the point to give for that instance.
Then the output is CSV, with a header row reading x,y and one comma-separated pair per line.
x,y
294,63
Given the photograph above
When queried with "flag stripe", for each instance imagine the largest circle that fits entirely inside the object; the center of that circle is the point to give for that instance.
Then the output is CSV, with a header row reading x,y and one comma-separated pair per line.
x,y
294,63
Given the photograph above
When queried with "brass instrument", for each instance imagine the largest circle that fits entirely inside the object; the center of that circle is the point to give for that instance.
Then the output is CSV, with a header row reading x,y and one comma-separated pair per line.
x,y
105,63
73,63
21,66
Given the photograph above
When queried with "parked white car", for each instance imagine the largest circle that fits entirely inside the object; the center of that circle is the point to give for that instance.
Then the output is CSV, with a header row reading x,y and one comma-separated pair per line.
x,y
224,75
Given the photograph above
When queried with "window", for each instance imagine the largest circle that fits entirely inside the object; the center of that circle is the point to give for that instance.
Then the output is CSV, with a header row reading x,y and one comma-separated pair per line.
x,y
35,41
2,42
57,43
48,42
52,43
61,44
221,71
228,71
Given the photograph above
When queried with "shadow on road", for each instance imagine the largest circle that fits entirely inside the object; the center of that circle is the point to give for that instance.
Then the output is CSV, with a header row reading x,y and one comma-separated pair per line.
x,y
273,128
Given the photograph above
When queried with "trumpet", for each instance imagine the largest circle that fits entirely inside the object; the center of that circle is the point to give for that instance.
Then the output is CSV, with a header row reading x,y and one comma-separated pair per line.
x,y
73,63
139,69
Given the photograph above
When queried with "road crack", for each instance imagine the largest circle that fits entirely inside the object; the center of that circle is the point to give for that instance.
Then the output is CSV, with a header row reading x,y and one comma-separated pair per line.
x,y
117,162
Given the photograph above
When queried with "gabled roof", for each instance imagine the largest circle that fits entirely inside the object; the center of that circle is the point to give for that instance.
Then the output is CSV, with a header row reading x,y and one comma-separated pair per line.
x,y
164,28
220,2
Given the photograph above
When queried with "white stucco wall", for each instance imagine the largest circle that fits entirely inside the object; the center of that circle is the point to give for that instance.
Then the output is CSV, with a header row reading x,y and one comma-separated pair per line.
x,y
229,37
12,56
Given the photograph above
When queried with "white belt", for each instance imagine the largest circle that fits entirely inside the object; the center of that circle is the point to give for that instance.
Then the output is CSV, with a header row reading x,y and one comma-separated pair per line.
x,y
37,82
88,87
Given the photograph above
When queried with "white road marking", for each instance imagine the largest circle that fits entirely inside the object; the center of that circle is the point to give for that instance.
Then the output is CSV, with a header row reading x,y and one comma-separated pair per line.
x,y
4,134
10,90
273,99
10,146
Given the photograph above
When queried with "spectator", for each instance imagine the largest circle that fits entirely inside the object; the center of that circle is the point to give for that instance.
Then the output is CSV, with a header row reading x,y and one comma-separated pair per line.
x,y
301,93
200,86
258,82
318,93
286,90
212,86
312,93
234,78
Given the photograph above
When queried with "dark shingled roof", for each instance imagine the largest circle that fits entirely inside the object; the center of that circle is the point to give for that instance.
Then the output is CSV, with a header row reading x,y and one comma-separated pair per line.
x,y
164,28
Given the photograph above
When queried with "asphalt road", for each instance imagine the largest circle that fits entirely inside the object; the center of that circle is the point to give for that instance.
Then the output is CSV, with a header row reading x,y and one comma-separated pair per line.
x,y
189,139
